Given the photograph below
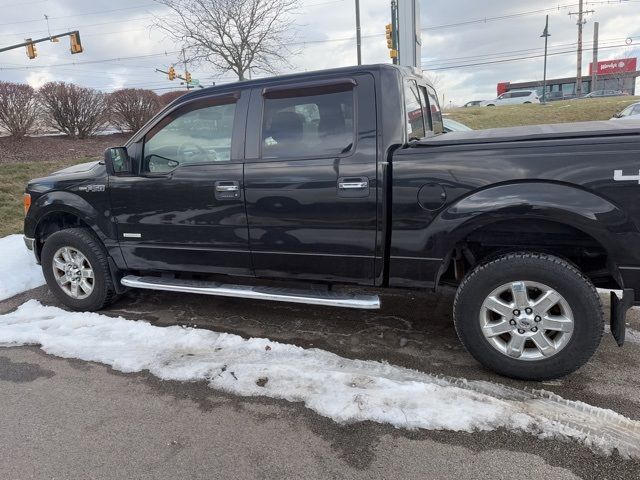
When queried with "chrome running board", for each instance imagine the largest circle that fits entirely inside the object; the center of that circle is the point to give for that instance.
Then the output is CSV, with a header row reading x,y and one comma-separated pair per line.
x,y
333,299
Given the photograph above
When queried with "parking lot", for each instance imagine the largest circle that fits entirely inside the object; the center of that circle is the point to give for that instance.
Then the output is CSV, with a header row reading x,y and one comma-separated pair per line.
x,y
66,418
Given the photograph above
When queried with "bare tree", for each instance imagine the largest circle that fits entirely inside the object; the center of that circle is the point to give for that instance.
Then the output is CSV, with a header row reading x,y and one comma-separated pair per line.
x,y
131,108
76,111
239,36
168,97
19,108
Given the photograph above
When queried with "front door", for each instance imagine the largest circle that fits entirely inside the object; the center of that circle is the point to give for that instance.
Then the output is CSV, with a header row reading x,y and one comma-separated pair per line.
x,y
184,209
310,180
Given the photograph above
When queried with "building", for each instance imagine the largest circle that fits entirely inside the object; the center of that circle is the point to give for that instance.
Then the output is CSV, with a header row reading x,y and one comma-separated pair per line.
x,y
618,74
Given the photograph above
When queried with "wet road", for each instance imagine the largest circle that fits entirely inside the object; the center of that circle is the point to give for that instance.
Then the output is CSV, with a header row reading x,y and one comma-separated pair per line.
x,y
72,419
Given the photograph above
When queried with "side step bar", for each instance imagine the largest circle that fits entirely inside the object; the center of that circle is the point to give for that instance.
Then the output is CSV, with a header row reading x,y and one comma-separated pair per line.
x,y
333,299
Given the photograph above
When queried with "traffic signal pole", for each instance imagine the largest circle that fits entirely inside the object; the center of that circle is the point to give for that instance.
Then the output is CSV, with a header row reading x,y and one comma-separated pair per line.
x,y
76,46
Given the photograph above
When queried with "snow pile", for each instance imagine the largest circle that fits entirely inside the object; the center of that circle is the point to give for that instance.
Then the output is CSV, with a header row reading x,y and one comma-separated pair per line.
x,y
18,269
342,389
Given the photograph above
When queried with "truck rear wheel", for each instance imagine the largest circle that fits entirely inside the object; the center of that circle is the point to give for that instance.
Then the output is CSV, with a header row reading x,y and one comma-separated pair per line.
x,y
75,266
529,316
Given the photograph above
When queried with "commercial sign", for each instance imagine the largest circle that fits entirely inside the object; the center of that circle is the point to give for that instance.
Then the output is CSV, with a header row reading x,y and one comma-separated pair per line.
x,y
610,67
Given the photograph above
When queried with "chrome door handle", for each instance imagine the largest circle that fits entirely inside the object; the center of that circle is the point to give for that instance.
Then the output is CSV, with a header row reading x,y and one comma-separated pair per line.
x,y
227,188
352,185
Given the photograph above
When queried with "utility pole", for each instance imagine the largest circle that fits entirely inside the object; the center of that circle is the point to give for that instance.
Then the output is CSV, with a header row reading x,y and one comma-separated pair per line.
x,y
546,36
581,21
358,37
409,33
594,65
394,32
184,59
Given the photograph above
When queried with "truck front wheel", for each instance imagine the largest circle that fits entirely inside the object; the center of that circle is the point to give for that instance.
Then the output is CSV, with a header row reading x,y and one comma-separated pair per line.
x,y
529,316
75,266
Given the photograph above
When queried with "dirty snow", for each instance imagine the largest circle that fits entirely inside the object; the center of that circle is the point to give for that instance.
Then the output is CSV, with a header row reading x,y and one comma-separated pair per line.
x,y
339,388
18,269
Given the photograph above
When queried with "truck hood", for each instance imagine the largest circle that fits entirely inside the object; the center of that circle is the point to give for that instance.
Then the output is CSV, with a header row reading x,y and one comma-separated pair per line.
x,y
69,177
535,132
81,167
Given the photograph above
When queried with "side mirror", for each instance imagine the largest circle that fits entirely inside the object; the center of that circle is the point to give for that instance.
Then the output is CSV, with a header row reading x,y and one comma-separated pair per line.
x,y
117,161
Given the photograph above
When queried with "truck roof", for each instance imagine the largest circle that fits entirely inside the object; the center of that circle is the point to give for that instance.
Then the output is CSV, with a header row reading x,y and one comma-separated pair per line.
x,y
299,76
536,132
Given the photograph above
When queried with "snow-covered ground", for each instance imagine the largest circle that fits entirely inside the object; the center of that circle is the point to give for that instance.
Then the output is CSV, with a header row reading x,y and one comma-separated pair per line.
x,y
342,389
18,268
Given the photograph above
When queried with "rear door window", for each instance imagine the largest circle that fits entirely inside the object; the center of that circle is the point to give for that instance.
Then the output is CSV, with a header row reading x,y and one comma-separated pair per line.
x,y
319,125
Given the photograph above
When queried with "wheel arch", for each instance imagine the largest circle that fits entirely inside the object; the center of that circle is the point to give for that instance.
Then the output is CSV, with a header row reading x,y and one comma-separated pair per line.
x,y
59,210
548,207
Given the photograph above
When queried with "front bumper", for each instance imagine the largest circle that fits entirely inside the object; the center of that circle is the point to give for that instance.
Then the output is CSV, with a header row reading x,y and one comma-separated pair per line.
x,y
29,242
31,245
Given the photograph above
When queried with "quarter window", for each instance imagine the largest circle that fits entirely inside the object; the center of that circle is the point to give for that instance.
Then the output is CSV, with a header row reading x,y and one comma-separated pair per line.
x,y
414,114
191,135
434,108
319,125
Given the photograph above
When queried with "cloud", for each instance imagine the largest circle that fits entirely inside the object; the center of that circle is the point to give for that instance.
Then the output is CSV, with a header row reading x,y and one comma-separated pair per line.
x,y
117,29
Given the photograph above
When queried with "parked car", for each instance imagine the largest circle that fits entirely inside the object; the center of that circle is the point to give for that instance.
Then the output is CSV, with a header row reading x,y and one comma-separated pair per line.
x,y
515,97
454,126
604,93
473,103
344,177
632,112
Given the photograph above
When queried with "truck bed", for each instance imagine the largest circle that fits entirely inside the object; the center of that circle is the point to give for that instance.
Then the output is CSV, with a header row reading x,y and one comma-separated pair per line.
x,y
604,128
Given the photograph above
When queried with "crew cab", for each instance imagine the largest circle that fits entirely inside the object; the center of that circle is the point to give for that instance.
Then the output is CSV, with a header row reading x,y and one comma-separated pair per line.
x,y
284,188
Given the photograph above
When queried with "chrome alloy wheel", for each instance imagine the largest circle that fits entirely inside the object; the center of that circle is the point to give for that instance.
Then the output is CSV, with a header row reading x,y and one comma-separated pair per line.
x,y
526,320
73,272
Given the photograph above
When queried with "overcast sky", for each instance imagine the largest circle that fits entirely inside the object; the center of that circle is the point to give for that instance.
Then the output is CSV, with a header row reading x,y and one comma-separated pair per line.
x,y
454,34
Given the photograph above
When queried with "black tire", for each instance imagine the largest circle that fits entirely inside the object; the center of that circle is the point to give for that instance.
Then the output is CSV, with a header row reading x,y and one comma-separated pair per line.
x,y
558,274
84,241
527,103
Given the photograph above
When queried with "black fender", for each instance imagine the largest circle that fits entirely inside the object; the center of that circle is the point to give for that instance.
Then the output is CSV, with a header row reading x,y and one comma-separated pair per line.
x,y
58,201
71,203
565,204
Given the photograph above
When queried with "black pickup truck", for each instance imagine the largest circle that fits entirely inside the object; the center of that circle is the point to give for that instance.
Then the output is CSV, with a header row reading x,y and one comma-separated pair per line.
x,y
344,177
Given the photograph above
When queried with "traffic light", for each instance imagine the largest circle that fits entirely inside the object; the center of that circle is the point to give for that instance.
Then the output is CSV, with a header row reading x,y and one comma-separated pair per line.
x,y
187,77
76,46
172,73
389,34
31,50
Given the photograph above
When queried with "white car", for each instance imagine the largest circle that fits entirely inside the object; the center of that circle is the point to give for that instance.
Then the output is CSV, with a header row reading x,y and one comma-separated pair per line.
x,y
632,112
515,97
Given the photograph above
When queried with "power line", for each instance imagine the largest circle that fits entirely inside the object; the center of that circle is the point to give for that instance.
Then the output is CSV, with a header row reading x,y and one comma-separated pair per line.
x,y
99,12
492,62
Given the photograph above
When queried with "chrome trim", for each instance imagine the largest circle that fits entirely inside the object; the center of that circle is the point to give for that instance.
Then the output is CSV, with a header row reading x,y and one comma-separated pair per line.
x,y
366,302
352,185
29,242
132,235
227,188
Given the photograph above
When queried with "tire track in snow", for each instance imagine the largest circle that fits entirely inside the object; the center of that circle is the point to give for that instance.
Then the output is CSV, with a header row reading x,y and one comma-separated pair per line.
x,y
339,388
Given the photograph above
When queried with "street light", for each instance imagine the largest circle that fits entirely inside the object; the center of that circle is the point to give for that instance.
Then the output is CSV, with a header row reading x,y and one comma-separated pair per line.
x,y
546,36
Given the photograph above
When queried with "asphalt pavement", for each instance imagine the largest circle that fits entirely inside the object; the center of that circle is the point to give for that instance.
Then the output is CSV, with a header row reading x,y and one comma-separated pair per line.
x,y
68,419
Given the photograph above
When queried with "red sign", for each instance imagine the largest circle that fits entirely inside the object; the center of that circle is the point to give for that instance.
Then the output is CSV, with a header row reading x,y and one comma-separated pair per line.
x,y
620,65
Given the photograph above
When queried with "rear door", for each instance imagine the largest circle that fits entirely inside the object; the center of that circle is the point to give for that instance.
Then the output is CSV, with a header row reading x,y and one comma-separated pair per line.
x,y
183,210
310,180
